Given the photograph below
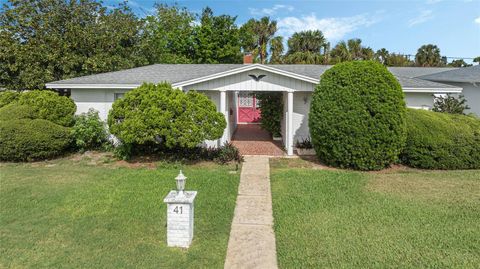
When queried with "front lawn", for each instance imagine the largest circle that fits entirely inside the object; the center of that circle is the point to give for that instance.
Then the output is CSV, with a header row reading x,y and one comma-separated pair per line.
x,y
400,218
75,214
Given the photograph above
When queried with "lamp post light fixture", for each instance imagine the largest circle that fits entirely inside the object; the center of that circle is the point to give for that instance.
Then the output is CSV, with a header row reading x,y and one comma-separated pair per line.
x,y
181,180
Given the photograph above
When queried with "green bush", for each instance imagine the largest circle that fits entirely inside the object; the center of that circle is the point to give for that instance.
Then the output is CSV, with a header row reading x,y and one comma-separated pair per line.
x,y
50,106
161,114
228,153
357,116
30,140
271,108
441,141
89,131
14,111
6,97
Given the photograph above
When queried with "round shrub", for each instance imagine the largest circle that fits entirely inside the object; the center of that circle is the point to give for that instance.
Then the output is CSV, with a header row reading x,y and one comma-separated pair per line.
x,y
30,140
357,116
161,114
50,106
441,141
89,131
6,97
14,111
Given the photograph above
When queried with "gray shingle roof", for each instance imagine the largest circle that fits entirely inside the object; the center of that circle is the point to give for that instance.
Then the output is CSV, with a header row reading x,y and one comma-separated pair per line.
x,y
421,84
174,73
464,74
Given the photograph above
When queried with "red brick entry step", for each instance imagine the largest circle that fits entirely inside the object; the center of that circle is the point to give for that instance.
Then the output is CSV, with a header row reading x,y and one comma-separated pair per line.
x,y
250,139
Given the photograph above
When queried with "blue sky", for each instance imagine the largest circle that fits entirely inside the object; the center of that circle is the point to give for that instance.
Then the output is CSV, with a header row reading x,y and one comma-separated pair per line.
x,y
399,26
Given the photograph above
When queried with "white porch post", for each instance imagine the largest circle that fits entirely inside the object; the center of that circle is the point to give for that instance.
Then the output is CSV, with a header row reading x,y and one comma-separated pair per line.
x,y
223,110
290,123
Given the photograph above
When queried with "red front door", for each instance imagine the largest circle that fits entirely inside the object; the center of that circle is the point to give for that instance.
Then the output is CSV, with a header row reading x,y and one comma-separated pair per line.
x,y
248,108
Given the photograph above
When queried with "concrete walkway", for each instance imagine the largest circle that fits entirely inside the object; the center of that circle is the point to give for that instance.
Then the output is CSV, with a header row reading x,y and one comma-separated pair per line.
x,y
252,241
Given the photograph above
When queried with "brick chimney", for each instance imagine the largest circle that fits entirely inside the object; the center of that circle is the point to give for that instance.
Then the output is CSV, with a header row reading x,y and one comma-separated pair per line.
x,y
247,58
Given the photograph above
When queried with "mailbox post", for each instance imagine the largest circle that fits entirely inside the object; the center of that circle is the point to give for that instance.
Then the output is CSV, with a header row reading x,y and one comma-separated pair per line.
x,y
180,211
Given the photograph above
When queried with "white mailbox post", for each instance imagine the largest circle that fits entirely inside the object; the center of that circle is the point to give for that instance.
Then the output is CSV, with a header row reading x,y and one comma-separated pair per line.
x,y
180,211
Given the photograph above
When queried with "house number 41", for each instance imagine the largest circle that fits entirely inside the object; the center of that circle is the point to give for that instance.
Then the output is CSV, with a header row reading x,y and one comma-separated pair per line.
x,y
178,209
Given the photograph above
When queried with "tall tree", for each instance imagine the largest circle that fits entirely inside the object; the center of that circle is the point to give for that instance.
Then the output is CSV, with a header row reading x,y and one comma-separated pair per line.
x,y
216,39
340,53
305,47
276,49
46,40
256,36
395,59
459,63
306,41
168,36
476,59
382,55
428,56
355,48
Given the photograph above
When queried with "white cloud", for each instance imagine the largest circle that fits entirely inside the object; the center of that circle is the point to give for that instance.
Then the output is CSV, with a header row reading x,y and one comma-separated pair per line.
x,y
332,28
425,15
477,20
270,11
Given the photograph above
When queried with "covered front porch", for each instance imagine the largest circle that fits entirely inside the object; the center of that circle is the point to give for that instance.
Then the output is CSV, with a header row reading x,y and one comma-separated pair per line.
x,y
226,88
251,139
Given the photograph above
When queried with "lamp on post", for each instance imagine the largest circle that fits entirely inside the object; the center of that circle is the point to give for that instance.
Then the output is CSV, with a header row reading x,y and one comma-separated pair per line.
x,y
180,179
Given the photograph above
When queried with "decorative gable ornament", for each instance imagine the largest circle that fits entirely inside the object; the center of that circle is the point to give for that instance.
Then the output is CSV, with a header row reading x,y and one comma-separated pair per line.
x,y
257,78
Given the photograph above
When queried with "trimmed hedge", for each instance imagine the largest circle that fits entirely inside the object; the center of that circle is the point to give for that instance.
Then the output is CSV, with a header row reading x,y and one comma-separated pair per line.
x,y
441,141
15,111
6,97
357,116
50,106
30,140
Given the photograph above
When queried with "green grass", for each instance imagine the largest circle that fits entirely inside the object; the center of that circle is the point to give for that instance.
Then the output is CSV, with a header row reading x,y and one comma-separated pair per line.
x,y
403,218
71,214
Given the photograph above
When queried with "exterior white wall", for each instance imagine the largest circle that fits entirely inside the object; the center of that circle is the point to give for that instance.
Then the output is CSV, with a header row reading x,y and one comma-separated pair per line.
x,y
301,108
242,82
471,94
98,99
420,100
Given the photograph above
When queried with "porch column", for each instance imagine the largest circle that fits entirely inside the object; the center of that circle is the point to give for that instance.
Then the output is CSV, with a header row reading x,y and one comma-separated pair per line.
x,y
223,110
290,122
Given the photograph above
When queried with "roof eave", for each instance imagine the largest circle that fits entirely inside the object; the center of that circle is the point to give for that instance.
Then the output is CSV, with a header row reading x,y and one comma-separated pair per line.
x,y
432,90
91,86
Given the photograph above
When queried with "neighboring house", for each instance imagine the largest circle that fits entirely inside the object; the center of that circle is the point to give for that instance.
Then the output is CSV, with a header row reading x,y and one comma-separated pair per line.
x,y
230,87
467,78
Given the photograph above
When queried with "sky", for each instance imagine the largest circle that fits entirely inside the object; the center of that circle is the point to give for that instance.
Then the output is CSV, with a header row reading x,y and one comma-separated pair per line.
x,y
400,26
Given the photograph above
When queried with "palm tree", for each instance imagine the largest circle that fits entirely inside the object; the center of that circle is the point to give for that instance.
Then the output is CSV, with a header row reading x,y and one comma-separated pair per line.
x,y
265,30
476,59
326,53
255,36
276,48
382,55
428,55
355,48
340,52
306,41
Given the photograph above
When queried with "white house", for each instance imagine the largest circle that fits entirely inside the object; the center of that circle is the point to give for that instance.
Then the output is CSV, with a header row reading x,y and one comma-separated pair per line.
x,y
230,86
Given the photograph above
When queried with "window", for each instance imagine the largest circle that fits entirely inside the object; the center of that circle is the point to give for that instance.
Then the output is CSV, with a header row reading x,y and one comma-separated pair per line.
x,y
118,95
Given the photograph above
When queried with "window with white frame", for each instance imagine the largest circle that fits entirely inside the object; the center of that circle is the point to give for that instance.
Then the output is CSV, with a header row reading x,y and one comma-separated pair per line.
x,y
118,95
